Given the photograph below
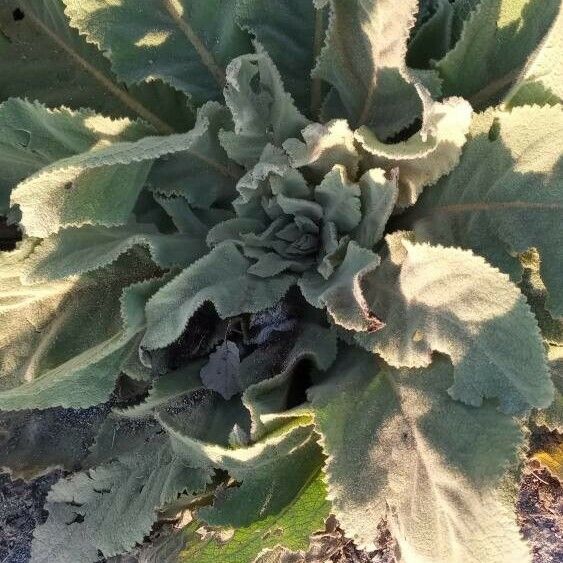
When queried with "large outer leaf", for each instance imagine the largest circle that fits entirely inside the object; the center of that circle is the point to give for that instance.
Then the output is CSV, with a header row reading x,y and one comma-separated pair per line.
x,y
291,528
450,301
34,442
399,448
77,250
101,184
220,277
202,424
112,507
36,137
542,79
363,59
45,350
47,60
186,43
31,137
272,472
495,43
292,31
506,195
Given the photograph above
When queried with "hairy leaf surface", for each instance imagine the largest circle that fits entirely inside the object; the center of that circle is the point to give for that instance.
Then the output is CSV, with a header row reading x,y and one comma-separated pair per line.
x,y
34,442
112,507
263,114
378,195
399,447
450,301
272,473
325,146
75,251
291,527
428,155
201,171
542,79
363,59
220,277
341,294
431,40
81,189
292,31
42,45
33,136
269,388
506,195
47,359
496,40
186,43
271,184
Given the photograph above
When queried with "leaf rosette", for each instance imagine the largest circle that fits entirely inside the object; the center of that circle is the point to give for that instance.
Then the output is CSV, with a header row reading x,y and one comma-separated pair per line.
x,y
292,246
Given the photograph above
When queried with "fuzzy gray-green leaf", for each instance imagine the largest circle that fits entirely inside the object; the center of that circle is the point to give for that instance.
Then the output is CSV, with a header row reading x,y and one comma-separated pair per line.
x,y
364,60
399,448
435,299
497,39
47,359
110,508
42,45
292,31
185,43
506,195
220,277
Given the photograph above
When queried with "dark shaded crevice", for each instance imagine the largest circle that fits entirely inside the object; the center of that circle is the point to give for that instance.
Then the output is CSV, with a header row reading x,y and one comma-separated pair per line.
x,y
10,235
406,133
18,15
129,392
300,382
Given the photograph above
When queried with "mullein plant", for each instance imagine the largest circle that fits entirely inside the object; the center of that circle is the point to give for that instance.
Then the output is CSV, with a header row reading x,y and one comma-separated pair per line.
x,y
320,239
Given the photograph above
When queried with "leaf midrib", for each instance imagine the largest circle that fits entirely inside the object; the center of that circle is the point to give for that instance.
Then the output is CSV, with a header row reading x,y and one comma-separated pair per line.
x,y
120,93
491,206
205,55
421,459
